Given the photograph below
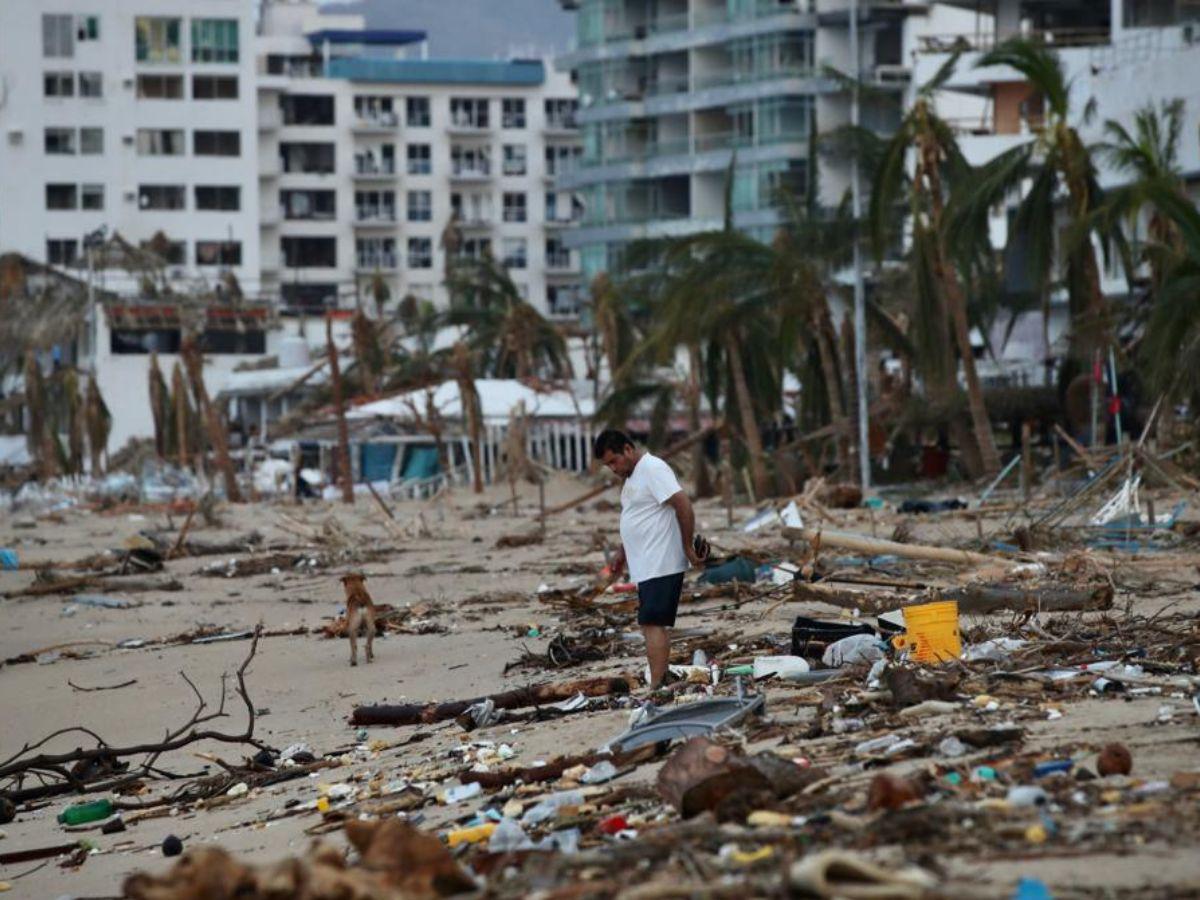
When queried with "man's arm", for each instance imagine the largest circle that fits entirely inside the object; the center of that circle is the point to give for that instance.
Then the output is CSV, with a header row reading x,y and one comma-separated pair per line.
x,y
687,524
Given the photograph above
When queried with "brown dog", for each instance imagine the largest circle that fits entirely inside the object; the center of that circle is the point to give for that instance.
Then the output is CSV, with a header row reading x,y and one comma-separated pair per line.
x,y
360,614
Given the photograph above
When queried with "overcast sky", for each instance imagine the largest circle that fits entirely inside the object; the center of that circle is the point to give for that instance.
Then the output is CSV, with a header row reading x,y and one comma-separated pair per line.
x,y
461,29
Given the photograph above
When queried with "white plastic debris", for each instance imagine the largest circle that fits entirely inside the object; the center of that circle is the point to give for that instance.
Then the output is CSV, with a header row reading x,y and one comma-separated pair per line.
x,y
766,666
857,648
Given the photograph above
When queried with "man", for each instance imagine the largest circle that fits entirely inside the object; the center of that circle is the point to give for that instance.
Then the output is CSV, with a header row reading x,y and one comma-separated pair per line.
x,y
657,526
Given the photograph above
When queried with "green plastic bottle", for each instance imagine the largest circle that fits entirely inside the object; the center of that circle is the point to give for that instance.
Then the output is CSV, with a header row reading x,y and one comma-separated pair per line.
x,y
82,813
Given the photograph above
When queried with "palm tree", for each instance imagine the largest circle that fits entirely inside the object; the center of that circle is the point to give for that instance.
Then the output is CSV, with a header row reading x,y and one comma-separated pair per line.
x,y
1056,161
464,375
939,166
98,425
511,338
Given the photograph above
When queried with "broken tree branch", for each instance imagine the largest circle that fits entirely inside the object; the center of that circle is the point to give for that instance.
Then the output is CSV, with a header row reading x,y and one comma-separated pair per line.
x,y
880,547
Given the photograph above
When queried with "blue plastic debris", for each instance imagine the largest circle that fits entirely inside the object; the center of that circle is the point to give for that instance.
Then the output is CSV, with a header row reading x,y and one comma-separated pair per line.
x,y
8,559
1052,767
1032,889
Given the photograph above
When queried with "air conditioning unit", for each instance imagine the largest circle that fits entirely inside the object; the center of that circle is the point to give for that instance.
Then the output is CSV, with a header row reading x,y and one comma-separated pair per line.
x,y
15,136
128,138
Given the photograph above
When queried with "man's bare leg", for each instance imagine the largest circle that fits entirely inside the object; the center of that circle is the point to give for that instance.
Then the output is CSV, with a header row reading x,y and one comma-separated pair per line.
x,y
658,651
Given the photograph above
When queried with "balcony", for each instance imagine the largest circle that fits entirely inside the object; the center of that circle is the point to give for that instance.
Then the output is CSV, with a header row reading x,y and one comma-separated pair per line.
x,y
561,263
474,221
376,122
561,125
367,168
471,173
469,126
377,262
374,216
555,223
986,41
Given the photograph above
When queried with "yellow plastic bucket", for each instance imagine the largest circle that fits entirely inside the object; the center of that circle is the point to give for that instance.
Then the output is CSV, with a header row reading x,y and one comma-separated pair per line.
x,y
931,632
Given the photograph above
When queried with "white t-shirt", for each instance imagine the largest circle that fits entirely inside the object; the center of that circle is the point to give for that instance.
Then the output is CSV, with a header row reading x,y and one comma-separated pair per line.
x,y
649,529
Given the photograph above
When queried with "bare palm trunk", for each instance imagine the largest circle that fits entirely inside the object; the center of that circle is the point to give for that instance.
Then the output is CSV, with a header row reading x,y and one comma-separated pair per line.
x,y
469,398
182,416
822,329
750,432
217,435
703,483
342,463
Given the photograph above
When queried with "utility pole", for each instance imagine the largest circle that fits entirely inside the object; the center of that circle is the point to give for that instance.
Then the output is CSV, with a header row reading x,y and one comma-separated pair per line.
x,y
860,303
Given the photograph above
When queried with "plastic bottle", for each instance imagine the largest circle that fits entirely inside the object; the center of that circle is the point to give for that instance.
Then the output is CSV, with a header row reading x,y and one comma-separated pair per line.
x,y
507,837
82,813
471,835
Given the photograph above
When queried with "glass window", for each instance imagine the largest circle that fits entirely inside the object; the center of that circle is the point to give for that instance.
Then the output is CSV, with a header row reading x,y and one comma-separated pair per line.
x,y
514,159
420,159
307,109
214,87
157,39
416,112
218,197
469,112
160,142
215,40
62,251
161,196
302,204
514,207
557,254
160,87
514,253
60,141
420,253
58,84
420,206
91,196
219,253
91,141
58,36
62,196
87,28
309,252
512,112
173,253
560,113
216,143
91,84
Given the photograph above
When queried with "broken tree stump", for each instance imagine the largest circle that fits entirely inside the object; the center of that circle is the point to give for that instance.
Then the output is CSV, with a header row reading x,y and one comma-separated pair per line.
x,y
982,599
418,713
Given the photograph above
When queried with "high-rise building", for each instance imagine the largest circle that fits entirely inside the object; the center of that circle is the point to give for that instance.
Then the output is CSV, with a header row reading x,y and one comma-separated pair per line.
x,y
138,117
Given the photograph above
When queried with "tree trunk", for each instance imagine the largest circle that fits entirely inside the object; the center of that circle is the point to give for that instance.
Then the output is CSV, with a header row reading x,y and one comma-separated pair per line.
x,y
183,416
822,328
469,400
99,423
158,406
702,486
342,463
217,434
750,432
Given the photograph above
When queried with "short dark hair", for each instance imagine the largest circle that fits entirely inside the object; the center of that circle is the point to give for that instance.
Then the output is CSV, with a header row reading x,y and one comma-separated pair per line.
x,y
611,439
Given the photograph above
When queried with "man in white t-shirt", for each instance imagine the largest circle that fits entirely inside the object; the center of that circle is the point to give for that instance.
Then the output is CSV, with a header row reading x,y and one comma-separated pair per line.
x,y
657,527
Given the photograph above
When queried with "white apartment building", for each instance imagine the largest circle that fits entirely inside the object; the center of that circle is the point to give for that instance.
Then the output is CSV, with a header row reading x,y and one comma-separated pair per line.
x,y
137,116
1120,55
368,152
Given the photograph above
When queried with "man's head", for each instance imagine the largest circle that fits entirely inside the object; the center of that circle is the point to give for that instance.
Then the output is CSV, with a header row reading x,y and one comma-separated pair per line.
x,y
615,450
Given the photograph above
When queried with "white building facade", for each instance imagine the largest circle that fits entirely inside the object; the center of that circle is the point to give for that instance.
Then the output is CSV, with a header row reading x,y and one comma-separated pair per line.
x,y
136,117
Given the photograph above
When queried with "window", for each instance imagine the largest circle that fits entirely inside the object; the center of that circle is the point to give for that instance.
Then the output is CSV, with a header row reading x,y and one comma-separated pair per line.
x,y
173,253
160,87
62,252
420,206
512,113
91,196
561,159
87,28
218,253
375,206
214,87
420,161
215,40
514,253
310,252
307,109
91,141
233,340
420,253
376,253
306,157
58,36
225,198
91,84
470,162
155,142
161,196
60,141
476,248
311,297
308,204
416,112
560,114
216,143
58,84
157,39
62,196
514,159
514,207
144,340
469,112
557,254
373,110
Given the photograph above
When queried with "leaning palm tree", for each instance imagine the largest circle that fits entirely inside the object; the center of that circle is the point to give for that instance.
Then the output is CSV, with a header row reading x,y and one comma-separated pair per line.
x,y
1055,162
939,167
511,338
98,425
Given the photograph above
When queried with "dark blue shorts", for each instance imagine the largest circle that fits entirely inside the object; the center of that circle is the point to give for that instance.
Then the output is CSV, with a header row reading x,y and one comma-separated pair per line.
x,y
658,600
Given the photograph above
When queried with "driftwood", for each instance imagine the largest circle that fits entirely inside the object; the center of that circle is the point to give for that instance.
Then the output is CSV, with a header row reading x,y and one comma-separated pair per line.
x,y
981,599
862,544
80,766
102,583
520,540
534,695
